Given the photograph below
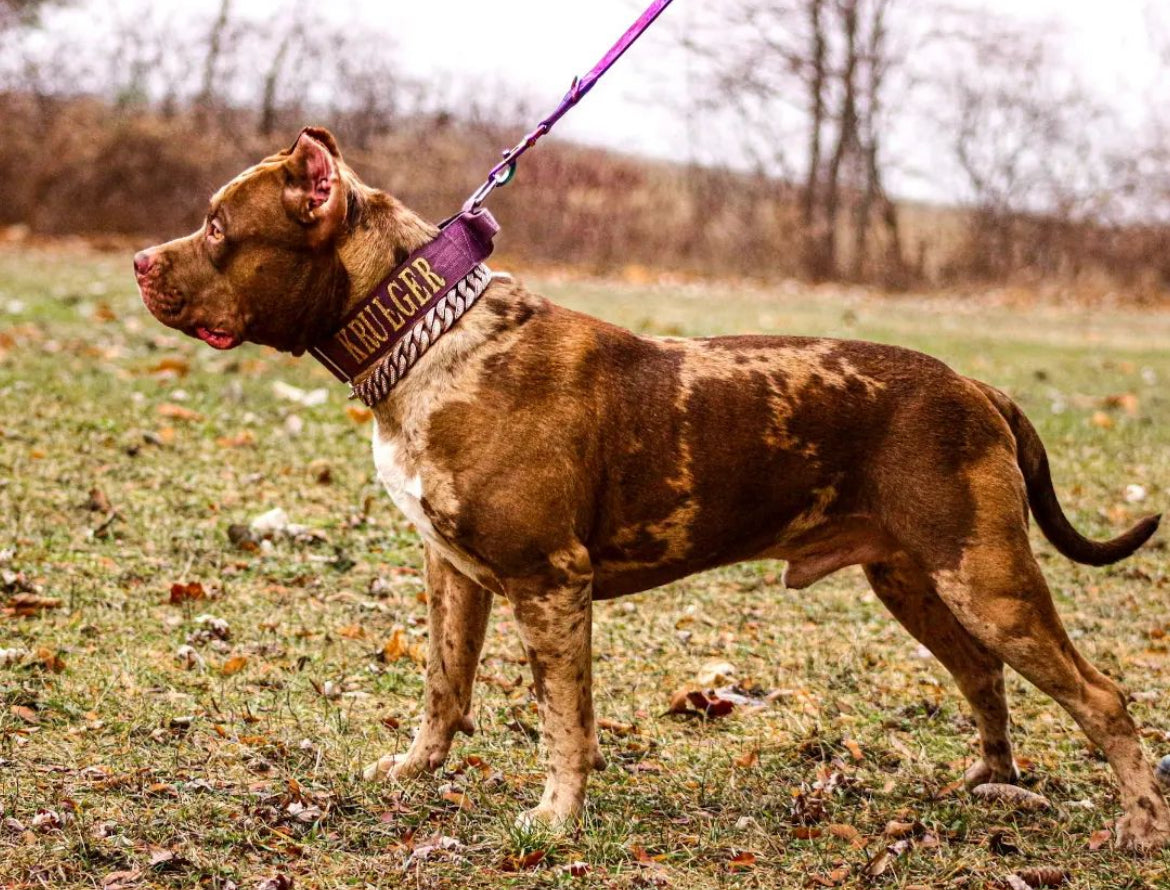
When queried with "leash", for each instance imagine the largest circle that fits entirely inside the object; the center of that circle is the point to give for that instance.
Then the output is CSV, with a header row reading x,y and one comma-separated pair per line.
x,y
385,335
502,173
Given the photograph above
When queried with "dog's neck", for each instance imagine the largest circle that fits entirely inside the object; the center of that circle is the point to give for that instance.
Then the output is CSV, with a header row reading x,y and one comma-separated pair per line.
x,y
382,233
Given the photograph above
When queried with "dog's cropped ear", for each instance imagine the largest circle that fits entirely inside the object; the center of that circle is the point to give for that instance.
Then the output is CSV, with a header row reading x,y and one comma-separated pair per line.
x,y
324,137
313,188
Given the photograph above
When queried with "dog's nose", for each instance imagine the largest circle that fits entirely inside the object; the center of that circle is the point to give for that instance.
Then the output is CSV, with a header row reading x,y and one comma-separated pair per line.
x,y
142,261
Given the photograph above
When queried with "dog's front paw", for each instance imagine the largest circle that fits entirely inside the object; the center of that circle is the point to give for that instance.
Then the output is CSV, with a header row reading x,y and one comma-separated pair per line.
x,y
983,773
550,817
396,767
1145,831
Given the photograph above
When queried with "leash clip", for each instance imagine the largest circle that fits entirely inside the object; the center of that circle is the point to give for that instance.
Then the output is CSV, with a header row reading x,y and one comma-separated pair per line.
x,y
501,175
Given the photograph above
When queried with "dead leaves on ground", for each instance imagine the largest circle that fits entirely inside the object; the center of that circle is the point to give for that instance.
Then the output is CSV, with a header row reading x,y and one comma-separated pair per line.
x,y
696,703
399,646
29,605
234,665
1012,796
171,411
190,592
1032,878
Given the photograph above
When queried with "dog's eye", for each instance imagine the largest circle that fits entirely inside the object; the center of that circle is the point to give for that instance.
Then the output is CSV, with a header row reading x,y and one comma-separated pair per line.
x,y
214,230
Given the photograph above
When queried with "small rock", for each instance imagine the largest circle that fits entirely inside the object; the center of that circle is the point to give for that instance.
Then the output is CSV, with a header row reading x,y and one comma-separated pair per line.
x,y
1135,494
308,398
216,627
12,656
190,659
716,673
1163,771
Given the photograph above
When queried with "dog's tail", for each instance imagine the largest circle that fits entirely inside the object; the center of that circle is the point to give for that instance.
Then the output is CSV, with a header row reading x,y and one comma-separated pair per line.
x,y
1033,461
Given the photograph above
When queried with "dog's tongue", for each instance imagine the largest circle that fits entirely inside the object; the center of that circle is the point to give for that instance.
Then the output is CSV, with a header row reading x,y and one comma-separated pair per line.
x,y
217,339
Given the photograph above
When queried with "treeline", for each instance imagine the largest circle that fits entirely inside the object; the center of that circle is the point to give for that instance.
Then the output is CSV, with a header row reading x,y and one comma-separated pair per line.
x,y
123,139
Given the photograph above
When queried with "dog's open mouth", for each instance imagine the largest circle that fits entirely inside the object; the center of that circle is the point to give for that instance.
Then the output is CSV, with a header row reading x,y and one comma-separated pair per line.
x,y
217,338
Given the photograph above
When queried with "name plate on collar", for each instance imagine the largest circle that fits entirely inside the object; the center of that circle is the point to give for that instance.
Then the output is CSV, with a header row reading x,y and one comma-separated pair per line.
x,y
404,297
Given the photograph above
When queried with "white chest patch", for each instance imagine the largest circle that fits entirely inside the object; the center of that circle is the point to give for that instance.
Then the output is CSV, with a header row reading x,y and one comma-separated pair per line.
x,y
405,487
402,484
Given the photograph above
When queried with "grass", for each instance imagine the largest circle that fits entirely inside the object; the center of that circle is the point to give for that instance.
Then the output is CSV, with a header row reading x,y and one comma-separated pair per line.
x,y
123,766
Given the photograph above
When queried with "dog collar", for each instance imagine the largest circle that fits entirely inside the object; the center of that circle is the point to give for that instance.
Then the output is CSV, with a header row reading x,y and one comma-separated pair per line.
x,y
411,307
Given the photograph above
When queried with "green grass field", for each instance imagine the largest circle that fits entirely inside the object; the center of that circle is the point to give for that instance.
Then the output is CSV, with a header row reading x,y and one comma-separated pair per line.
x,y
127,451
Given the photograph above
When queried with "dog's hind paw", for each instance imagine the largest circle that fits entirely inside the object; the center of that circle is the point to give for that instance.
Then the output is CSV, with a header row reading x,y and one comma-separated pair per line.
x,y
982,773
396,767
1143,831
548,817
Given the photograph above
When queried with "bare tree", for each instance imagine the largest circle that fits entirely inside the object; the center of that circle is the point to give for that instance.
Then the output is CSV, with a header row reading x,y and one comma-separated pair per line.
x,y
1024,136
824,67
216,49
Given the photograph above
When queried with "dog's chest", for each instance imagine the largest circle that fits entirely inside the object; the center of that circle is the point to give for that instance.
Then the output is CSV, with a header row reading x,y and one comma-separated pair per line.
x,y
403,480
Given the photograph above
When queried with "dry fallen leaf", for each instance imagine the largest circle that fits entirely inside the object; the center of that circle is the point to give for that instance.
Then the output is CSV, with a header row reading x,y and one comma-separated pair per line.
x,y
523,861
833,879
715,673
1102,420
742,861
50,660
1042,876
878,865
399,647
278,882
1098,839
460,800
358,414
896,829
172,364
184,593
352,632
1011,795
1124,401
605,723
25,605
118,880
98,502
27,714
844,832
177,412
748,758
238,440
692,701
234,665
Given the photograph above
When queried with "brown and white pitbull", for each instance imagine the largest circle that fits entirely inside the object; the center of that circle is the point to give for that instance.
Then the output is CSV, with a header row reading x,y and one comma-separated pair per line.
x,y
554,459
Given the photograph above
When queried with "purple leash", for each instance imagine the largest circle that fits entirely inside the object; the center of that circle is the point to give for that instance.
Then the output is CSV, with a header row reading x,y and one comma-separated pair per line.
x,y
502,173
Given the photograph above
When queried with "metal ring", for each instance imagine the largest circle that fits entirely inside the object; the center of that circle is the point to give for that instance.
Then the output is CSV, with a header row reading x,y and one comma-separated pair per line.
x,y
505,175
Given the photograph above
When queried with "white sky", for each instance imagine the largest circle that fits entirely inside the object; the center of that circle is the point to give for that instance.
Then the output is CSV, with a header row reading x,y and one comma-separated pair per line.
x,y
538,45
535,47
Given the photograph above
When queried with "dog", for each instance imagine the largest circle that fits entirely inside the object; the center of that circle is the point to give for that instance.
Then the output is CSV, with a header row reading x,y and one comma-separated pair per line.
x,y
553,459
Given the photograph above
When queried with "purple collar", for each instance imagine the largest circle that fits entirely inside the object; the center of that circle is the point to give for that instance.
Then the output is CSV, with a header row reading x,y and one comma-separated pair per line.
x,y
398,311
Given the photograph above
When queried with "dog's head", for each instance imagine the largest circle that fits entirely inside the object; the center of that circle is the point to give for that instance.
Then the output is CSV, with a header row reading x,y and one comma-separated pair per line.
x,y
264,266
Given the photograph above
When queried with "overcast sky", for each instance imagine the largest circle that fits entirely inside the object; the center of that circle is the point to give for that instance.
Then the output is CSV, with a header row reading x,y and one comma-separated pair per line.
x,y
537,46
534,47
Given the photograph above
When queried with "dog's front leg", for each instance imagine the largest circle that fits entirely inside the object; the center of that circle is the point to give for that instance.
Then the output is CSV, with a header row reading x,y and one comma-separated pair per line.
x,y
555,620
457,615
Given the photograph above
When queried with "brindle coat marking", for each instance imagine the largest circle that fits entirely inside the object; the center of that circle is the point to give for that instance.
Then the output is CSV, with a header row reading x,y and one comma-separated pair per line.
x,y
554,459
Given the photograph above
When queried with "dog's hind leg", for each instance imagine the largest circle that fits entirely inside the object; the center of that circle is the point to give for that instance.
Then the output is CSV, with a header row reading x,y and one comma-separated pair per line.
x,y
910,595
457,617
999,594
554,614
